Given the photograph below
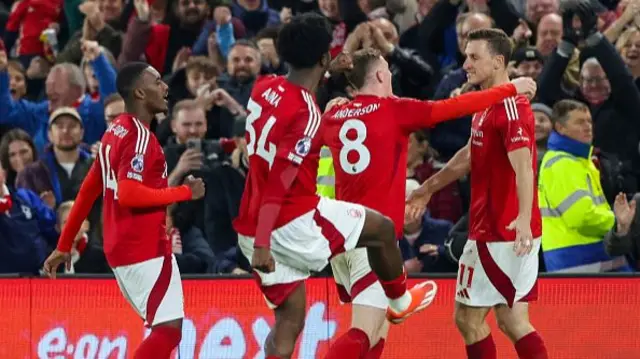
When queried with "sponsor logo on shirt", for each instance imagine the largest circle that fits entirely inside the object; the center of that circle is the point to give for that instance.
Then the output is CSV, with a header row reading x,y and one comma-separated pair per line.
x,y
117,130
519,137
303,147
137,163
355,213
134,176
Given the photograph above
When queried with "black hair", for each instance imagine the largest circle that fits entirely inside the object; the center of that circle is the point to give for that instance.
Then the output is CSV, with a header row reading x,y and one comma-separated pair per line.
x,y
127,78
304,40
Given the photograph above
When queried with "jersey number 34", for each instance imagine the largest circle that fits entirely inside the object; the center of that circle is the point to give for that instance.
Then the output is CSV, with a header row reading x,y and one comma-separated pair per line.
x,y
266,151
351,145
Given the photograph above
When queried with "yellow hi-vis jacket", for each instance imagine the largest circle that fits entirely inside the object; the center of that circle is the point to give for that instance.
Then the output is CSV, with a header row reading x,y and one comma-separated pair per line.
x,y
326,181
575,214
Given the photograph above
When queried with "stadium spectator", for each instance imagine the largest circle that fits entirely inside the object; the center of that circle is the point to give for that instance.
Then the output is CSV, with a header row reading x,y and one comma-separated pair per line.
x,y
65,87
191,250
17,151
243,65
255,14
624,239
17,80
266,41
575,213
28,229
225,186
86,256
606,85
220,33
59,172
164,44
422,163
542,113
101,24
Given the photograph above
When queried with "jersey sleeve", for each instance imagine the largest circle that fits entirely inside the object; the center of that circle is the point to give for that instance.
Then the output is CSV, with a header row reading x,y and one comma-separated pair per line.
x,y
297,139
414,114
134,152
514,122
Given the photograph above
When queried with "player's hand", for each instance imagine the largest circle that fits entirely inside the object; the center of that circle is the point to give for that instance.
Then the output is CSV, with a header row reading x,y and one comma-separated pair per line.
x,y
196,185
342,63
625,212
525,86
524,238
53,262
338,101
262,260
417,203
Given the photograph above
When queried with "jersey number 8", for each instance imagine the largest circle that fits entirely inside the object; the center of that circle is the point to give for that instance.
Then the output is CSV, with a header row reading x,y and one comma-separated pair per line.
x,y
265,150
357,145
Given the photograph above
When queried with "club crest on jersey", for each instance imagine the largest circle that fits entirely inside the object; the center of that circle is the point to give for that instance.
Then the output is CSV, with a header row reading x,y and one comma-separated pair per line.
x,y
303,147
137,163
355,213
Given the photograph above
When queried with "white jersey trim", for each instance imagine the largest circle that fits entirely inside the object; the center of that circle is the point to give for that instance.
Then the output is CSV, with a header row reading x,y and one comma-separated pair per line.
x,y
511,108
142,140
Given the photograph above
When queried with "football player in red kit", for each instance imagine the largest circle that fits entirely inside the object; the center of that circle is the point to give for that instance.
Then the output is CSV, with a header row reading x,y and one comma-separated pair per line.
x,y
368,138
131,174
499,266
284,228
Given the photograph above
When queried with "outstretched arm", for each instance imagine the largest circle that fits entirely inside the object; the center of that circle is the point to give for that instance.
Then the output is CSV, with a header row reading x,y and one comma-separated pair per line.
x,y
89,191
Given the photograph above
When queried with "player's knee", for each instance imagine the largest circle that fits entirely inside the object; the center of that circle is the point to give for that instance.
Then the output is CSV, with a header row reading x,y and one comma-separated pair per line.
x,y
466,323
514,328
378,230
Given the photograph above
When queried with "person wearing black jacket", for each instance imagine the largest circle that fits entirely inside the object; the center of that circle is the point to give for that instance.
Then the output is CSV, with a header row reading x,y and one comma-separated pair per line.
x,y
605,84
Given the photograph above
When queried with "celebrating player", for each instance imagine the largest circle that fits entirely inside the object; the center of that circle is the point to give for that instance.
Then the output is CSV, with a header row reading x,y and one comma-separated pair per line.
x,y
368,138
284,227
499,266
131,173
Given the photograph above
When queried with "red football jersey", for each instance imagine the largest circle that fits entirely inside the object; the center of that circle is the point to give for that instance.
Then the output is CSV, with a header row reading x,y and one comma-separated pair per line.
x,y
282,123
130,151
368,138
501,128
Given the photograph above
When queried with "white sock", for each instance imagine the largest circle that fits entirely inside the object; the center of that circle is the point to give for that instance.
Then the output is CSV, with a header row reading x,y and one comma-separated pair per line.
x,y
401,303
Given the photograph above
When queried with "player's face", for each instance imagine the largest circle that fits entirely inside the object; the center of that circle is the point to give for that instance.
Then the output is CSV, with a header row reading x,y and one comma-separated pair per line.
x,y
480,64
578,126
155,91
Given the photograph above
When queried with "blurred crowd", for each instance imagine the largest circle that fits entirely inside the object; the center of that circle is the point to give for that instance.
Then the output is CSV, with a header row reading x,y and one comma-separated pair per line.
x,y
58,66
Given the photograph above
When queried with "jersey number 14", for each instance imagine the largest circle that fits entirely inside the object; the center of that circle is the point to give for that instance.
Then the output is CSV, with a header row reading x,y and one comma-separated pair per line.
x,y
108,174
357,145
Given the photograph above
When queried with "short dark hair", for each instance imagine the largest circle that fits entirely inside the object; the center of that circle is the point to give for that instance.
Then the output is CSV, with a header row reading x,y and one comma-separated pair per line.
x,y
114,97
362,61
128,77
497,41
270,32
304,40
561,109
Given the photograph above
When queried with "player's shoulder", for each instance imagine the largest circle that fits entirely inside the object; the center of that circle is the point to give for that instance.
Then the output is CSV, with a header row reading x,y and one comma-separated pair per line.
x,y
512,108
